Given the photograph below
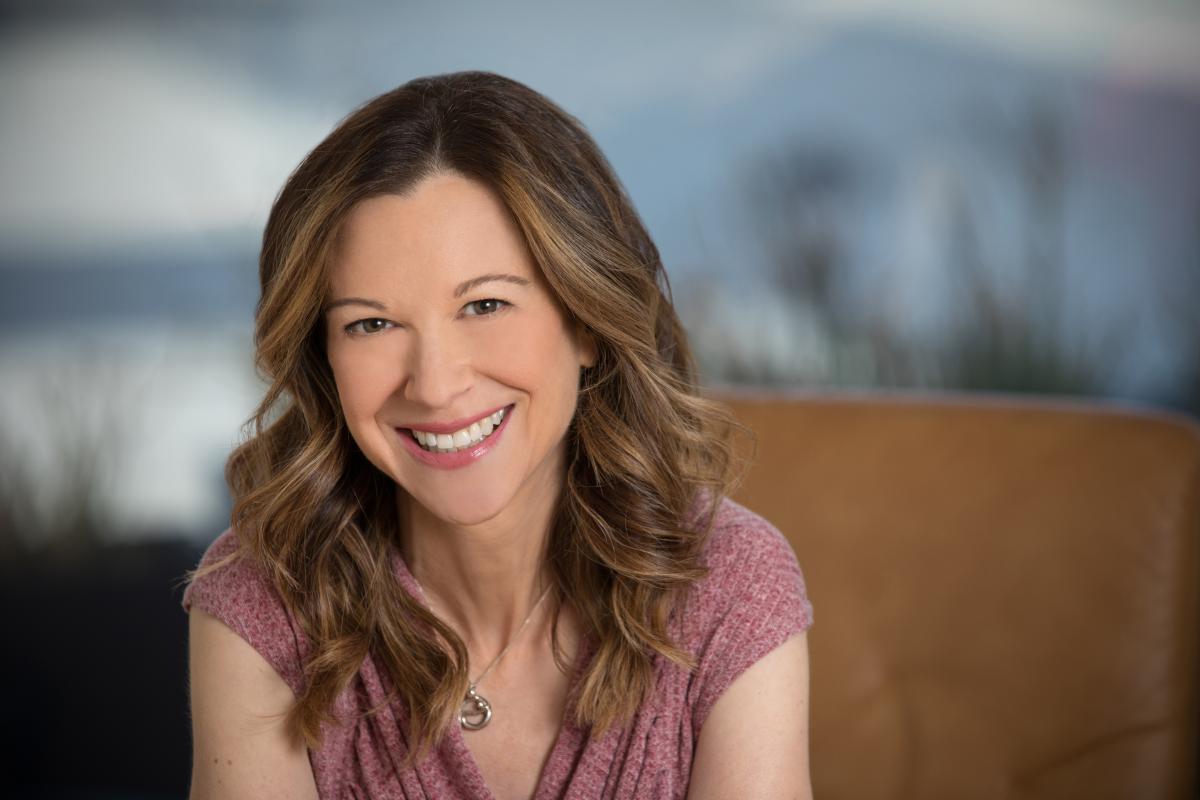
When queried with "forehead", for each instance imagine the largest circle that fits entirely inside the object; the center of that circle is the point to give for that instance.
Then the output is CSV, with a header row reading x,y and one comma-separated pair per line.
x,y
446,227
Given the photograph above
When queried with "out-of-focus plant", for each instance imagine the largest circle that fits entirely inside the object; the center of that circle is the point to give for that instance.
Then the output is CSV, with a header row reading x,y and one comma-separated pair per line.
x,y
18,511
796,324
1019,342
58,451
1001,340
1178,296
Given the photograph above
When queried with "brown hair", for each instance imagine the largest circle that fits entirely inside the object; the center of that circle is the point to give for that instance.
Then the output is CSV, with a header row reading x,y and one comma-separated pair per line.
x,y
643,447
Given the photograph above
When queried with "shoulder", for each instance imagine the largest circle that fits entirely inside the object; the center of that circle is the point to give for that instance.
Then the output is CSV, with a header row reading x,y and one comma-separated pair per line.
x,y
753,599
241,596
737,532
243,676
239,586
751,564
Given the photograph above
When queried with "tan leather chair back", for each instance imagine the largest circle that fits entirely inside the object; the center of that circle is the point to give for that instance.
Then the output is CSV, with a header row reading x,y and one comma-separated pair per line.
x,y
1004,590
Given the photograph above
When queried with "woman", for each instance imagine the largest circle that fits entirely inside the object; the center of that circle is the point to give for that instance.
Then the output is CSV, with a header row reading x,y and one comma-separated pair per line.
x,y
483,545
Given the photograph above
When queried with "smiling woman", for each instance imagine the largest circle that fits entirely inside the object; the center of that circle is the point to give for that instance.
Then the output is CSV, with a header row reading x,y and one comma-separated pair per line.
x,y
482,544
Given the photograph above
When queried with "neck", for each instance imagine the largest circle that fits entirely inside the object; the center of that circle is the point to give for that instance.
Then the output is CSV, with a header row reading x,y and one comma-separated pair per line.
x,y
482,579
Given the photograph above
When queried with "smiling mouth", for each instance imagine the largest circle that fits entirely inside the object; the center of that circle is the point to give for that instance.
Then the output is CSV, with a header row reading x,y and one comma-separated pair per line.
x,y
464,439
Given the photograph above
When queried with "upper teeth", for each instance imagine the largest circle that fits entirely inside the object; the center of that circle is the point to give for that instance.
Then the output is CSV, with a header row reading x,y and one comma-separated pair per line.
x,y
472,434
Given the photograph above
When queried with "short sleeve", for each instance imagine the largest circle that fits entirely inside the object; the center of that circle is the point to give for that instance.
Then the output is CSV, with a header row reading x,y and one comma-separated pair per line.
x,y
754,599
240,595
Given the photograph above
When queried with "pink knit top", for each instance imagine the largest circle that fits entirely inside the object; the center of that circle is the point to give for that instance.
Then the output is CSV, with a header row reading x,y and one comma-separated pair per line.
x,y
753,600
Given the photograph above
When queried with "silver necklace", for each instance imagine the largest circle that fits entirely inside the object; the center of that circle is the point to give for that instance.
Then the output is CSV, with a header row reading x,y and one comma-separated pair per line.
x,y
476,711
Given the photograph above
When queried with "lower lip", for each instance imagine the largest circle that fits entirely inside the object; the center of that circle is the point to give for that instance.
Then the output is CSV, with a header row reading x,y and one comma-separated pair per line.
x,y
459,458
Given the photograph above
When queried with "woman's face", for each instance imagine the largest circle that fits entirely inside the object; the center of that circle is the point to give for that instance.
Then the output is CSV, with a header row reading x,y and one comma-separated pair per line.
x,y
416,342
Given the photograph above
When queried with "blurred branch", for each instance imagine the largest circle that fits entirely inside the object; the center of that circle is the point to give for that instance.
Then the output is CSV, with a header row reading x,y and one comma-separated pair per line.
x,y
1178,296
78,417
794,197
18,511
1015,342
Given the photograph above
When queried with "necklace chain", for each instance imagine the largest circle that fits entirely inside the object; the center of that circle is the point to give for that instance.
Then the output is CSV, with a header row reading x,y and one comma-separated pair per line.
x,y
481,705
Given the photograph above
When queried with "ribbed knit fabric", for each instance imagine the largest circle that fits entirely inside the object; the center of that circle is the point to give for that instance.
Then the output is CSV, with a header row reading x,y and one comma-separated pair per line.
x,y
752,601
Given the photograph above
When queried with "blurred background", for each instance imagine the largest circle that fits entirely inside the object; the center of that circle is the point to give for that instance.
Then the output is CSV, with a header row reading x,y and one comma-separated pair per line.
x,y
850,194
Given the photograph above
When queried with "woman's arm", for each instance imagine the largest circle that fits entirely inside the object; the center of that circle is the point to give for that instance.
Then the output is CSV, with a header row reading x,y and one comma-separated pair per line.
x,y
754,741
239,750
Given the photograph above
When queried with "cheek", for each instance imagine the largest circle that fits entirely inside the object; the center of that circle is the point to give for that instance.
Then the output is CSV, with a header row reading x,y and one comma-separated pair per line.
x,y
535,353
552,367
361,383
360,396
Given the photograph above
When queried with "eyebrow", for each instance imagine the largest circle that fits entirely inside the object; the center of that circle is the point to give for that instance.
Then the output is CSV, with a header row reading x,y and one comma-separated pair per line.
x,y
467,286
462,289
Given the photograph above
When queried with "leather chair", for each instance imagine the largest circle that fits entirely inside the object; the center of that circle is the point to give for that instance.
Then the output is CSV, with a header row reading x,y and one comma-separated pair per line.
x,y
1004,590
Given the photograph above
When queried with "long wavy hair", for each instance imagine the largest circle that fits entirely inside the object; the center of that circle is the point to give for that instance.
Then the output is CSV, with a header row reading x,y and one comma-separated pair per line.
x,y
645,448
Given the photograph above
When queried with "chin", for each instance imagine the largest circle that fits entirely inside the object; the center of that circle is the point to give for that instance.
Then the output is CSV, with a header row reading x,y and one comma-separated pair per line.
x,y
464,508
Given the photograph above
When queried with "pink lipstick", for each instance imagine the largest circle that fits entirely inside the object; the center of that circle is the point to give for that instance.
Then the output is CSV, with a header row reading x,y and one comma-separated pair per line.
x,y
459,458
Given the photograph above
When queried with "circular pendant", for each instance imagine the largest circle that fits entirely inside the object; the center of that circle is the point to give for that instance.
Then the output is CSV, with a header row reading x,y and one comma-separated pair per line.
x,y
475,712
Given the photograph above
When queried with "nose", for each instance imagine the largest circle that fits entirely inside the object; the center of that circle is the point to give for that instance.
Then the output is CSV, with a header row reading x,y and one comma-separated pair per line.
x,y
439,371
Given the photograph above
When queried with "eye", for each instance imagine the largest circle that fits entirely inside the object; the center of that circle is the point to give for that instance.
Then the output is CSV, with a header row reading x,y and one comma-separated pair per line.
x,y
495,305
366,327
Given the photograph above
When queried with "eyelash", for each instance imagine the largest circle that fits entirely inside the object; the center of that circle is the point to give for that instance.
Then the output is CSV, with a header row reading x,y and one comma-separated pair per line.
x,y
351,328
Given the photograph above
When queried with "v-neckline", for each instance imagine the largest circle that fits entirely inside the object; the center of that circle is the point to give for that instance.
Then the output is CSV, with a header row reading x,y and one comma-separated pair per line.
x,y
569,734
565,742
